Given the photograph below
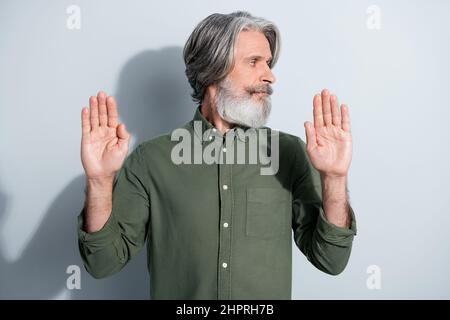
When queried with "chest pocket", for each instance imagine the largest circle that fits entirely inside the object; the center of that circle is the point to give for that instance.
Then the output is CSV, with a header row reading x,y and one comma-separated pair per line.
x,y
268,212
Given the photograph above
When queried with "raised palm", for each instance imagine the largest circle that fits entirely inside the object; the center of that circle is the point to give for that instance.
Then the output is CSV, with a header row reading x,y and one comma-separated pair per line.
x,y
329,140
104,142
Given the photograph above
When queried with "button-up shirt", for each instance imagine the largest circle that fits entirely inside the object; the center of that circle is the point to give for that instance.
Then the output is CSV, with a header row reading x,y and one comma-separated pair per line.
x,y
217,228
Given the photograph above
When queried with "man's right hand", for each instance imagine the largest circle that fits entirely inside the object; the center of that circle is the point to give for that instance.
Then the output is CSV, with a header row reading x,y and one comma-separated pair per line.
x,y
104,142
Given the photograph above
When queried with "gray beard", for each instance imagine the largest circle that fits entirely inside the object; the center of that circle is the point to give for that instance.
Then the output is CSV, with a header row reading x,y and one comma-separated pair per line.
x,y
241,110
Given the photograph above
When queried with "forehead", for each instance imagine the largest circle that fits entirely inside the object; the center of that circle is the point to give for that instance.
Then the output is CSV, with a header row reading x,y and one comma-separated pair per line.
x,y
252,43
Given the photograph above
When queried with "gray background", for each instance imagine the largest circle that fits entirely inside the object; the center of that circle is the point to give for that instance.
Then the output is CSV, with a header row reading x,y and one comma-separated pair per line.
x,y
395,81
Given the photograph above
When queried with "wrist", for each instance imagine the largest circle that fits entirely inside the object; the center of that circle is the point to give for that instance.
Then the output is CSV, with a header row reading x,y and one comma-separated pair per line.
x,y
100,180
99,186
333,177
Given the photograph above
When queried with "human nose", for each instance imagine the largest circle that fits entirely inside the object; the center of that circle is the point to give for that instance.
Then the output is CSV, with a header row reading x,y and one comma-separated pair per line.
x,y
268,76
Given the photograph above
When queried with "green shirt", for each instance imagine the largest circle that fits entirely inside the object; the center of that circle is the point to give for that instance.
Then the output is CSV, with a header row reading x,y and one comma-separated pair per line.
x,y
216,230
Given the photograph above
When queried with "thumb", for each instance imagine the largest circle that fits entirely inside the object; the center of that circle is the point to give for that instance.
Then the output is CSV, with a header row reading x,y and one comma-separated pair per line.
x,y
310,135
122,132
124,137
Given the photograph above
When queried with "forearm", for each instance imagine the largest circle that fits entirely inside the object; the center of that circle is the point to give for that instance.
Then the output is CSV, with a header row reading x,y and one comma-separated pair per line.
x,y
335,200
101,247
98,203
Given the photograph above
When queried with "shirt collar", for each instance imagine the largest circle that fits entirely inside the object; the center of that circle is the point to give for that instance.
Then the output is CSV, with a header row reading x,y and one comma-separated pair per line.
x,y
206,125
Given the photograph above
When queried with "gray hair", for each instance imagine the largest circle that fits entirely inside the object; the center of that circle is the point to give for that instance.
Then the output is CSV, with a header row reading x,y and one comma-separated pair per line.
x,y
209,51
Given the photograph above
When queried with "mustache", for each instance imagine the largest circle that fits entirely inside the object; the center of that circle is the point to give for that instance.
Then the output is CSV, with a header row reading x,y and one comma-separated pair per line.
x,y
260,88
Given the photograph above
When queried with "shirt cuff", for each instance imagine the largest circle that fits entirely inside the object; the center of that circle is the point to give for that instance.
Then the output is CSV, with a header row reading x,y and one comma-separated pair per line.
x,y
334,234
94,241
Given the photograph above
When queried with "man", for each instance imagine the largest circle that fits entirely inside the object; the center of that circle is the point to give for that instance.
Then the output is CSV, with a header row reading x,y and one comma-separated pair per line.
x,y
220,230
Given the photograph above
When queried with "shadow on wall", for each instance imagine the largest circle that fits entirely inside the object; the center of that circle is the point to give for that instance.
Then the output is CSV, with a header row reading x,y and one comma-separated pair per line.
x,y
153,98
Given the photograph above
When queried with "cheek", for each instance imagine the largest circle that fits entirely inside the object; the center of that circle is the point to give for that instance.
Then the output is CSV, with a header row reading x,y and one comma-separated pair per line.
x,y
243,77
245,80
243,74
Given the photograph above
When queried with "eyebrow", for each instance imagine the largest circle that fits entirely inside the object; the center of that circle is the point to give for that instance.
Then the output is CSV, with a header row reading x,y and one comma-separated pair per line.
x,y
257,57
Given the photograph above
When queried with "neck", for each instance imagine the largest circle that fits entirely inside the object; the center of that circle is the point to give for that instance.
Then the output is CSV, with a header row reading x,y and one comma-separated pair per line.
x,y
209,111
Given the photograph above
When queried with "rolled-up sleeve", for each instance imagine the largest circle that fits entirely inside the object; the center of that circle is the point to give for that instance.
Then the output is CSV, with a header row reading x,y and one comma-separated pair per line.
x,y
324,244
106,251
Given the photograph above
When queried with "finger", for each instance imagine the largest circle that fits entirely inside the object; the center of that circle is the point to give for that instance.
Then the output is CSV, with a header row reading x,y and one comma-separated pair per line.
x,y
122,132
326,108
336,114
112,112
103,116
123,136
310,135
345,118
93,103
317,111
85,122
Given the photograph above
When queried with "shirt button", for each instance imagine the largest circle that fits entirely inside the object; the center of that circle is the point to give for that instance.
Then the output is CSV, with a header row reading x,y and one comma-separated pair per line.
x,y
224,265
225,225
214,130
210,137
224,149
225,187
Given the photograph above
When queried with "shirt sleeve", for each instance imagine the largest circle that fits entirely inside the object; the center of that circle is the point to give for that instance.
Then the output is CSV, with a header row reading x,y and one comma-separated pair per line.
x,y
106,251
324,244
